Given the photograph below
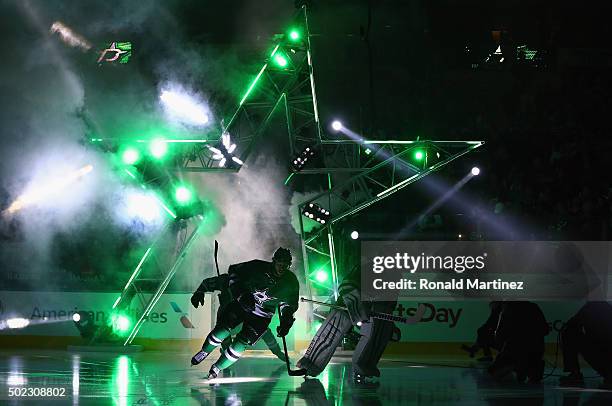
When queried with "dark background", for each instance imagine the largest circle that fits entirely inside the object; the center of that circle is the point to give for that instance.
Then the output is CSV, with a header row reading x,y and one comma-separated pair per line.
x,y
389,70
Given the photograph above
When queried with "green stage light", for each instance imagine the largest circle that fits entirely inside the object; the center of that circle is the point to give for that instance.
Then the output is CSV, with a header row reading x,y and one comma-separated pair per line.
x,y
419,155
294,35
321,276
120,323
182,195
158,148
280,60
130,156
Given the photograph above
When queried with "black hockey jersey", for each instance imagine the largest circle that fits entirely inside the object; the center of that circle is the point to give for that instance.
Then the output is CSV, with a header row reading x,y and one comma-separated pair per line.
x,y
260,292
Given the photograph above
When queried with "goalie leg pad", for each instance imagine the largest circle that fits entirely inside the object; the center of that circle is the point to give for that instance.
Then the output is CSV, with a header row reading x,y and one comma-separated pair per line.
x,y
375,336
325,342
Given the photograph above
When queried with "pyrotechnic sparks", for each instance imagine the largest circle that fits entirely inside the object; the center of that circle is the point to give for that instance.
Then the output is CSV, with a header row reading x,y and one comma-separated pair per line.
x,y
184,107
44,191
69,37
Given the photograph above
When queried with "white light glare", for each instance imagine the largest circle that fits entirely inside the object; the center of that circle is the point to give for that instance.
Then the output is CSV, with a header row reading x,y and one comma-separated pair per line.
x,y
475,171
184,107
336,125
17,322
76,317
235,380
143,206
355,235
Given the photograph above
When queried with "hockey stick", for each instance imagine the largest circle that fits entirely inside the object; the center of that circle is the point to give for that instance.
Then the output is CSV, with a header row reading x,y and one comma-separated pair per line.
x,y
217,262
291,372
418,315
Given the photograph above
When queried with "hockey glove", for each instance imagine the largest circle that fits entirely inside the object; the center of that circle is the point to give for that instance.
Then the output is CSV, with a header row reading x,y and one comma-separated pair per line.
x,y
197,299
284,327
356,310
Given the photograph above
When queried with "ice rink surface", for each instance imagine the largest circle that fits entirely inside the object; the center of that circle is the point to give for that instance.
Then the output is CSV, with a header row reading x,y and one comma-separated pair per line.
x,y
166,378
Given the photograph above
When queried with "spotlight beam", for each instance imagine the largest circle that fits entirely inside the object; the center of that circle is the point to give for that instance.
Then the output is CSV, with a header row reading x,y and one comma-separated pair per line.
x,y
509,228
386,192
439,202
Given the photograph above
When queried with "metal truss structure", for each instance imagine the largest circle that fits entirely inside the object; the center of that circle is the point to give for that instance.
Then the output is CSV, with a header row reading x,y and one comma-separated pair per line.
x,y
359,172
284,82
156,268
385,168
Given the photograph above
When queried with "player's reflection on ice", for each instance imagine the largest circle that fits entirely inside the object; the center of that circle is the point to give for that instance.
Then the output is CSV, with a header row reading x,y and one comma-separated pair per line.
x,y
313,393
226,390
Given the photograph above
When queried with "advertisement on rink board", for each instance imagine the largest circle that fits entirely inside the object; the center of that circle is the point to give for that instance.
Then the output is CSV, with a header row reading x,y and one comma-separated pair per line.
x,y
174,318
51,313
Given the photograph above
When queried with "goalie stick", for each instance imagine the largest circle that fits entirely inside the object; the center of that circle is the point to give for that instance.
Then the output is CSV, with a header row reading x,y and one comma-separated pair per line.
x,y
418,315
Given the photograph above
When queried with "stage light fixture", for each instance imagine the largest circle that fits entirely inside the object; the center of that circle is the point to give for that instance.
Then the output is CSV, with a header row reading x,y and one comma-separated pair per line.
x,y
475,171
182,195
224,152
317,213
302,158
120,323
130,156
336,125
294,35
355,235
158,148
76,317
419,155
280,60
321,276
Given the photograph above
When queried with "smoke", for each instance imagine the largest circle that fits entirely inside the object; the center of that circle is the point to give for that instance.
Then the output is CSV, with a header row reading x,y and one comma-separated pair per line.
x,y
42,91
49,87
254,203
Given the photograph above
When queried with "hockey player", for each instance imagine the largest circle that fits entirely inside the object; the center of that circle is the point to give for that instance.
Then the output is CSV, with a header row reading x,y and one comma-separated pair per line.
x,y
588,333
257,288
485,335
375,333
221,283
519,337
